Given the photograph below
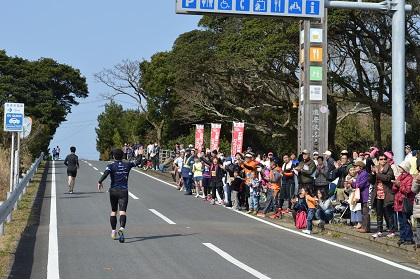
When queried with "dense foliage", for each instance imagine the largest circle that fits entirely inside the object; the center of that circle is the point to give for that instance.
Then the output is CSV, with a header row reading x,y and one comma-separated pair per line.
x,y
48,89
246,69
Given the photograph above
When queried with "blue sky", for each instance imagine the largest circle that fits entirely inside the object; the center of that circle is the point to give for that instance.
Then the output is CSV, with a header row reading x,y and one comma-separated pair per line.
x,y
89,35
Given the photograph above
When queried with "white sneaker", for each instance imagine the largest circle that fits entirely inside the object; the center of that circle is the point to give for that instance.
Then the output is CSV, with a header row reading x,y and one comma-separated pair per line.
x,y
377,235
306,231
391,235
197,195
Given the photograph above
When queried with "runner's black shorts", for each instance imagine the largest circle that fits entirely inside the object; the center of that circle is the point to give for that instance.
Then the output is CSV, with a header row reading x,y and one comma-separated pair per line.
x,y
119,199
71,173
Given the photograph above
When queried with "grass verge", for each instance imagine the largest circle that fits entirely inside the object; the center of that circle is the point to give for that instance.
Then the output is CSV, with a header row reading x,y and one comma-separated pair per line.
x,y
20,219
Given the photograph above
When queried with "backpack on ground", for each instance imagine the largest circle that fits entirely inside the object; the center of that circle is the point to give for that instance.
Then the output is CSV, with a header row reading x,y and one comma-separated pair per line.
x,y
301,220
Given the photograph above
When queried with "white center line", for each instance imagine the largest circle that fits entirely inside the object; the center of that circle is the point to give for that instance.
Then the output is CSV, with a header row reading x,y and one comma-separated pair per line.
x,y
236,262
52,266
95,168
101,173
132,195
166,219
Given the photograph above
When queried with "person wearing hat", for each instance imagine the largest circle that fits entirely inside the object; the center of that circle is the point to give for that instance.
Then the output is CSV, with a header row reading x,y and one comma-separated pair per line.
x,y
315,156
186,172
390,160
382,195
249,166
274,186
408,153
329,160
362,183
305,169
344,152
372,160
403,203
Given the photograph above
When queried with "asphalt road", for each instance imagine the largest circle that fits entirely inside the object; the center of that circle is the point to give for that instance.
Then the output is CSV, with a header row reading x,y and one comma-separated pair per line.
x,y
170,235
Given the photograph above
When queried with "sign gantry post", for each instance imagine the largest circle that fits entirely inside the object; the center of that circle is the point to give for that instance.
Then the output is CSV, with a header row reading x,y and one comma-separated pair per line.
x,y
315,9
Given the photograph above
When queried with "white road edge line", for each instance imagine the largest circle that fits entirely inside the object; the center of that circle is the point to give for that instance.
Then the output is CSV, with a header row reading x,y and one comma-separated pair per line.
x,y
236,262
163,217
377,258
132,195
147,175
53,271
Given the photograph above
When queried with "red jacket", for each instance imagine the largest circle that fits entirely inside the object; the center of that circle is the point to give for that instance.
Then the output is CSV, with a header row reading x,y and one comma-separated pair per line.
x,y
403,191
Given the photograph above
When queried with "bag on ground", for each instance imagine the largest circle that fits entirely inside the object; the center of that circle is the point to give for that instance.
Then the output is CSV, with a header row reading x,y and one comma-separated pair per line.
x,y
301,220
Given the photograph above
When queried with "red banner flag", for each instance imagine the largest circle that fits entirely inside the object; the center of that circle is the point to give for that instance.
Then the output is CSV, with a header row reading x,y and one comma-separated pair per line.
x,y
199,137
237,138
215,136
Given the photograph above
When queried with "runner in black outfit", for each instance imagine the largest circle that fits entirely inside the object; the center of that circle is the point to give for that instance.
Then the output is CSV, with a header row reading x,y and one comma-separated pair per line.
x,y
118,191
72,163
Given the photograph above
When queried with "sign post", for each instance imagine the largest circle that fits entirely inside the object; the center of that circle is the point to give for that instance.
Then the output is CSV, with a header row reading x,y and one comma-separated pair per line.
x,y
313,109
13,122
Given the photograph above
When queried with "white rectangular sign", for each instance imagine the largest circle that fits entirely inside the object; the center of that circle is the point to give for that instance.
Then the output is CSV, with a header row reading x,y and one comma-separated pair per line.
x,y
290,8
315,93
13,116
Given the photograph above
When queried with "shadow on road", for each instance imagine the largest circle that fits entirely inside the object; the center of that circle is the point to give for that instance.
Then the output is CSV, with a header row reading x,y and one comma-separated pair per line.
x,y
75,197
144,238
24,256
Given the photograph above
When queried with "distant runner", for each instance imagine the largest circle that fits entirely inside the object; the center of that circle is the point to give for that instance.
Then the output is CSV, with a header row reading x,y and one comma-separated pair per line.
x,y
72,163
118,192
58,152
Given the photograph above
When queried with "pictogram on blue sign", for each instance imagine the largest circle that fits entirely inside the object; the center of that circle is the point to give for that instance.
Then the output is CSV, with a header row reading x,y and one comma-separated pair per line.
x,y
243,5
225,5
295,7
14,122
312,7
260,6
207,4
278,6
189,4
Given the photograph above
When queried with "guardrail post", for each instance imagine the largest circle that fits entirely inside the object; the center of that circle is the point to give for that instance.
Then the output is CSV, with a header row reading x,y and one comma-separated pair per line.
x,y
2,224
9,217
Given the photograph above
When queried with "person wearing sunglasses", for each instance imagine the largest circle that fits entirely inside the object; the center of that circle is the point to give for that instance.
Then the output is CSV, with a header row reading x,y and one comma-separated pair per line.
x,y
382,195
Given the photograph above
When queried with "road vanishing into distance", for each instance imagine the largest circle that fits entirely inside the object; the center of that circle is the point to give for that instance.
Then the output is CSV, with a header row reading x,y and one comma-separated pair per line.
x,y
170,235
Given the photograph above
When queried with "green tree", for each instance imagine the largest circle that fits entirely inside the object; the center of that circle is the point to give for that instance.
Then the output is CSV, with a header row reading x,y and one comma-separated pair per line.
x,y
108,122
49,90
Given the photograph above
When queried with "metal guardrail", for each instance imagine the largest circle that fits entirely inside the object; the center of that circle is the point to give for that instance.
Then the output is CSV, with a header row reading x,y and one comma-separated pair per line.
x,y
7,207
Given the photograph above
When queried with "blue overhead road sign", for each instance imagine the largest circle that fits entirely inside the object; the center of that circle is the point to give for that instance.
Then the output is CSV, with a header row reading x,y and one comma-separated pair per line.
x,y
291,8
189,4
243,5
260,6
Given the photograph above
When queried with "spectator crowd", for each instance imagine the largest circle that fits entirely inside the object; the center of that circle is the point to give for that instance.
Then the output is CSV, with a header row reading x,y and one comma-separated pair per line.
x,y
315,189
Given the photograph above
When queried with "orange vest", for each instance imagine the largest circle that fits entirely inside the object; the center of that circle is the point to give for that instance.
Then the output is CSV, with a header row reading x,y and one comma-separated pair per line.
x,y
275,186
